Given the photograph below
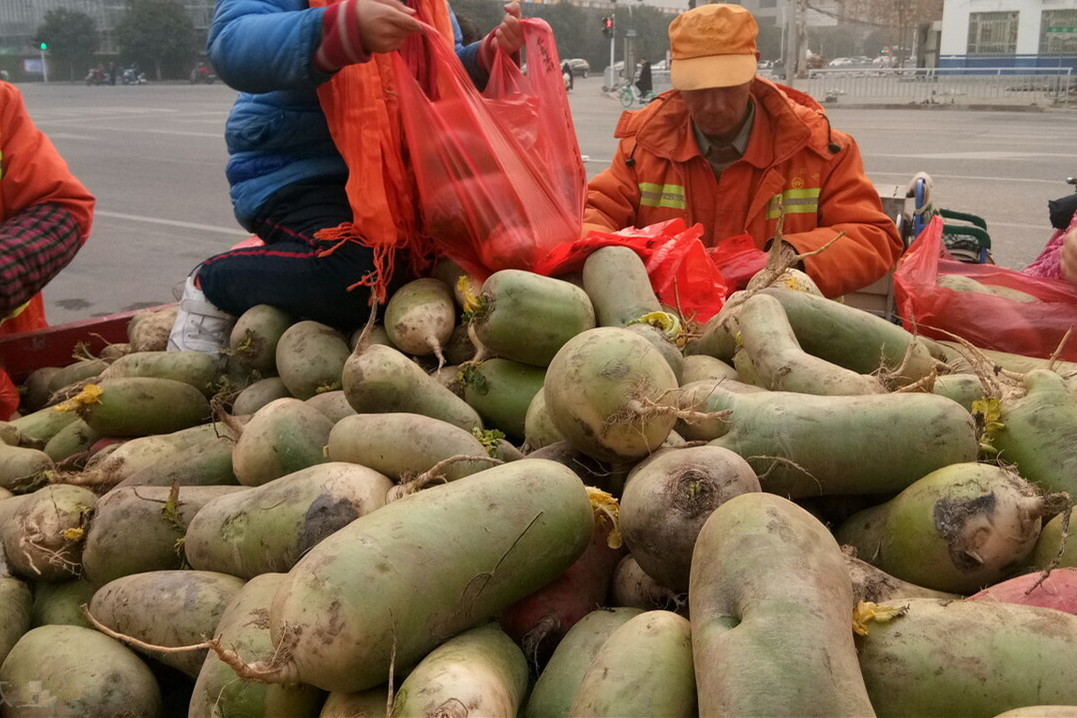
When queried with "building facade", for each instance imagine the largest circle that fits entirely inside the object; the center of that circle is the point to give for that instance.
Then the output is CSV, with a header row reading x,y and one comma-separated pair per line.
x,y
1008,33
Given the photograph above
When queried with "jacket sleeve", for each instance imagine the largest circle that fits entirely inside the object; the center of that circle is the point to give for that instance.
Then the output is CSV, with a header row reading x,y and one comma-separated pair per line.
x,y
612,195
264,45
849,203
32,172
45,213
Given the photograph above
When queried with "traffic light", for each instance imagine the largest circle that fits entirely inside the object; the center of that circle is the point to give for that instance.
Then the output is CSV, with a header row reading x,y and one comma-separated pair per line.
x,y
607,26
44,46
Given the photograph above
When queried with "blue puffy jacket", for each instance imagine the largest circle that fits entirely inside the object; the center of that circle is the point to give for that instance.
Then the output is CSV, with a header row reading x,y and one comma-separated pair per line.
x,y
276,133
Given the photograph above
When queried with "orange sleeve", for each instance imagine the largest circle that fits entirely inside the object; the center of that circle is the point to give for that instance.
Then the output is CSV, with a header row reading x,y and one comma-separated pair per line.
x,y
612,195
32,171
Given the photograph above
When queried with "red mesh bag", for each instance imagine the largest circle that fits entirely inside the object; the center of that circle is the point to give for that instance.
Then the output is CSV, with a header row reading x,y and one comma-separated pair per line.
x,y
500,177
1033,329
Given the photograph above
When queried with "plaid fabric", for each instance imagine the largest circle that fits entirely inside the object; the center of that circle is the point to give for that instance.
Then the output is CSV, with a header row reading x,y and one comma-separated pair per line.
x,y
35,245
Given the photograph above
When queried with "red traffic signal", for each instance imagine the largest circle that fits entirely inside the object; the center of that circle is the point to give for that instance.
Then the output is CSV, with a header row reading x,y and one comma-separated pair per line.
x,y
607,26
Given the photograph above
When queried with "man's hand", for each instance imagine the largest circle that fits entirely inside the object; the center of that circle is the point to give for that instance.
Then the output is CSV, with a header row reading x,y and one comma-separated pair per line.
x,y
384,24
1068,256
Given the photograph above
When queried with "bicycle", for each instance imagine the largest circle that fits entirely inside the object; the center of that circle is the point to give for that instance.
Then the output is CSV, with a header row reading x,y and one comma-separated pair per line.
x,y
630,95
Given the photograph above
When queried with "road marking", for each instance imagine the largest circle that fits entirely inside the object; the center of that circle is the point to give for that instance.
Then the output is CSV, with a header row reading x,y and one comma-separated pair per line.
x,y
172,223
973,177
973,155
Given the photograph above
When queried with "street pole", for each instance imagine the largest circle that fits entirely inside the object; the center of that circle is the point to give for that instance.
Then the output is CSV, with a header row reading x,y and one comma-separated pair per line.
x,y
44,68
613,42
792,51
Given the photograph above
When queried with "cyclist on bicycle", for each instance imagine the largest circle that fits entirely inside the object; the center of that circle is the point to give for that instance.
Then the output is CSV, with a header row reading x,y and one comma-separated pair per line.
x,y
643,83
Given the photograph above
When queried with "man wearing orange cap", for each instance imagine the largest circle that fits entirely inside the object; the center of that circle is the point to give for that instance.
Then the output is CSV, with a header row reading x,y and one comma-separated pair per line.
x,y
733,151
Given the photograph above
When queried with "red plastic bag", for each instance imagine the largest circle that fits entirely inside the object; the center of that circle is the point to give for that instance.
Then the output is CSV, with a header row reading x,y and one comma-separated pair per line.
x,y
738,259
9,396
681,273
990,322
500,177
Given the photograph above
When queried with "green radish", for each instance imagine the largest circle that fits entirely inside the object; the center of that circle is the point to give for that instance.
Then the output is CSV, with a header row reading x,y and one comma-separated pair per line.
x,y
310,357
42,533
957,357
255,335
205,463
616,281
35,388
539,430
790,439
716,337
420,317
771,601
166,609
555,689
1040,712
60,603
404,446
141,528
767,339
643,669
958,529
390,586
139,406
15,611
602,392
23,469
37,428
480,668
961,283
371,703
857,340
283,436
198,369
268,528
700,367
1037,433
258,394
875,585
707,399
633,587
75,438
1049,545
661,340
76,671
943,658
334,404
76,373
142,453
501,391
666,500
553,311
965,389
377,378
463,285
218,693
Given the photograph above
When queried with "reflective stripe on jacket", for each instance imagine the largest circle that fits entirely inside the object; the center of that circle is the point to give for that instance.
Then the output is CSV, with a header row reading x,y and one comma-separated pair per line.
x,y
787,165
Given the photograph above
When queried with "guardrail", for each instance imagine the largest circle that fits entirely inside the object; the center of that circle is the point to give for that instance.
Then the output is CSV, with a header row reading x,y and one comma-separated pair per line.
x,y
999,85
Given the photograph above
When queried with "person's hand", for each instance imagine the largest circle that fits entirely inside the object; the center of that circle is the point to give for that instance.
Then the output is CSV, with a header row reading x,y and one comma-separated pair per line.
x,y
1068,256
509,36
385,24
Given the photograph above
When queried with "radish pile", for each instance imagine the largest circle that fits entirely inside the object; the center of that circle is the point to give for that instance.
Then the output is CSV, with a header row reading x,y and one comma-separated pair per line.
x,y
543,497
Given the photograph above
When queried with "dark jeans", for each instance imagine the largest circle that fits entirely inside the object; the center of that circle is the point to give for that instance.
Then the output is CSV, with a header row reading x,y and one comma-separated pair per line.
x,y
287,272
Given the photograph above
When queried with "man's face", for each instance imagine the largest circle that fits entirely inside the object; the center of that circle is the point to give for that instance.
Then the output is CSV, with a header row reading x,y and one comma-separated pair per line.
x,y
718,111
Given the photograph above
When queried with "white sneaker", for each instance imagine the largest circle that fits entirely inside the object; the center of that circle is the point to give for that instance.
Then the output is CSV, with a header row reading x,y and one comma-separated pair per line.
x,y
199,326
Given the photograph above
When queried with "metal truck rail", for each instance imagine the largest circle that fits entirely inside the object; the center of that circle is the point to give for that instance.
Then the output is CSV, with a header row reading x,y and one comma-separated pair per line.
x,y
1052,87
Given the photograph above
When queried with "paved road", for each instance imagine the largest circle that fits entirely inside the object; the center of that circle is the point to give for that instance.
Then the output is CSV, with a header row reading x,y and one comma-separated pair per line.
x,y
154,156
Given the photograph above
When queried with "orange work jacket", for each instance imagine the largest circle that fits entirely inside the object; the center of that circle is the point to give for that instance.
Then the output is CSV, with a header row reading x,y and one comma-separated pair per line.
x,y
658,173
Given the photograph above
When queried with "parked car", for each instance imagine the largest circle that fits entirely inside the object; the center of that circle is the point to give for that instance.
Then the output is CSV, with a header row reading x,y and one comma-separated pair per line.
x,y
580,67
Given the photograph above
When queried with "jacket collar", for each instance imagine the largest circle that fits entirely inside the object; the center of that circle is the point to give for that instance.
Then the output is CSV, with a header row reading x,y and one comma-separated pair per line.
x,y
786,121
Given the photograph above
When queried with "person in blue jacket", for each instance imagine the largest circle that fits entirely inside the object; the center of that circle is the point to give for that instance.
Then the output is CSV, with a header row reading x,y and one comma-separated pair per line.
x,y
287,178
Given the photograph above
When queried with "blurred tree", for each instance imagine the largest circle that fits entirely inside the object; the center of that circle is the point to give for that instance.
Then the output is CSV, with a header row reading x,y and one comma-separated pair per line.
x,y
157,34
898,18
72,40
